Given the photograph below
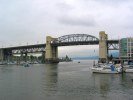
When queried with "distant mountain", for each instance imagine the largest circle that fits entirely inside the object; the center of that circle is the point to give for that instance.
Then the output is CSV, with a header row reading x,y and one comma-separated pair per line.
x,y
115,54
85,58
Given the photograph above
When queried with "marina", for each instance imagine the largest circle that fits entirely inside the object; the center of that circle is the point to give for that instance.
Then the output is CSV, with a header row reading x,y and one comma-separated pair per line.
x,y
111,68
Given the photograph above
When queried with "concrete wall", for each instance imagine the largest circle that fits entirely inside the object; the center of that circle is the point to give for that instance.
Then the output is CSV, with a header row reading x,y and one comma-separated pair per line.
x,y
51,54
103,53
1,55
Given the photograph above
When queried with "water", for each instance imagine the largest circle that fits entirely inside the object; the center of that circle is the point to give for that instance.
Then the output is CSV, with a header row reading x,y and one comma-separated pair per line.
x,y
63,81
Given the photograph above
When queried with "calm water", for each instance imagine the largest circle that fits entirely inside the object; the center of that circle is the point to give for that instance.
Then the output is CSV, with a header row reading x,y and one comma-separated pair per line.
x,y
63,81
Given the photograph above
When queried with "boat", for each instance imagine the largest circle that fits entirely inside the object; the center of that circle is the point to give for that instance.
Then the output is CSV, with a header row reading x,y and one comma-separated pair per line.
x,y
26,65
127,65
106,68
78,61
128,68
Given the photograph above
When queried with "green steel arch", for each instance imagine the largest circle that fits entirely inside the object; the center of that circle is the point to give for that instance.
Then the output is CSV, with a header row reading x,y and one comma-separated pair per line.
x,y
76,38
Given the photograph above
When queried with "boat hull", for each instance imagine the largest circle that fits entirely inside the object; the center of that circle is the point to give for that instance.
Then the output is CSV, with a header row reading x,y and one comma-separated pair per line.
x,y
129,70
104,71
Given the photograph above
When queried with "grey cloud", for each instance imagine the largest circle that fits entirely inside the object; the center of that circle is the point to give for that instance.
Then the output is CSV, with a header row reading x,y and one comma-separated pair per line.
x,y
62,6
31,20
78,21
128,24
112,1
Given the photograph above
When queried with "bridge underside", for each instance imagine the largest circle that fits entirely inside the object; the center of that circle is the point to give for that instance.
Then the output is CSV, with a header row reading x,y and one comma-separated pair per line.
x,y
76,43
111,44
7,53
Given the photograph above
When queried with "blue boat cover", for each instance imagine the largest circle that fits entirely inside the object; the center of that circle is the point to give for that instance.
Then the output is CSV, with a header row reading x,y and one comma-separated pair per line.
x,y
112,68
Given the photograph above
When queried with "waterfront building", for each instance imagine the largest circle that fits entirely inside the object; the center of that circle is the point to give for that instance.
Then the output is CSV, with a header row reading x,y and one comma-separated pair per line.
x,y
126,48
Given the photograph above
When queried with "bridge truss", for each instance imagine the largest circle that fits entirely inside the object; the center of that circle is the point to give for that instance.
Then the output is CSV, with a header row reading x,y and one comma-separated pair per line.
x,y
113,44
83,39
76,39
25,49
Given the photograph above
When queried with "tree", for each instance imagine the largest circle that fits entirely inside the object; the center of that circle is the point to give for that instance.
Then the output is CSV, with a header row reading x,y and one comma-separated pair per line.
x,y
31,58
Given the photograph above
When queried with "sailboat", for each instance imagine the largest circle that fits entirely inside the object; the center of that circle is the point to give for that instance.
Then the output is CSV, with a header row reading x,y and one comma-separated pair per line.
x,y
106,68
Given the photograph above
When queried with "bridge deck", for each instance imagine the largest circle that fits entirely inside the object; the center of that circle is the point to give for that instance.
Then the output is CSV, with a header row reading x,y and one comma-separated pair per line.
x,y
76,43
26,46
41,47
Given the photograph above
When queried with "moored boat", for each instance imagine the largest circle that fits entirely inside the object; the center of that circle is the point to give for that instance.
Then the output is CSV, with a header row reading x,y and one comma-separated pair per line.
x,y
26,65
106,69
127,65
128,68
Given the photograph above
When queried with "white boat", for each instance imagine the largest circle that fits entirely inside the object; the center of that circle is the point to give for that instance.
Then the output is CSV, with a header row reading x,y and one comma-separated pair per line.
x,y
128,68
106,69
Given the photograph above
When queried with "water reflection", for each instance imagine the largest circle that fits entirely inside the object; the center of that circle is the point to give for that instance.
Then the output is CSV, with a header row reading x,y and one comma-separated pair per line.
x,y
50,79
5,69
102,84
104,87
126,80
108,85
64,81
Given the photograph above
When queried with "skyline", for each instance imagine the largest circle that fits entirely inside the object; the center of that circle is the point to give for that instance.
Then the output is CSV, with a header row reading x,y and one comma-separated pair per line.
x,y
28,22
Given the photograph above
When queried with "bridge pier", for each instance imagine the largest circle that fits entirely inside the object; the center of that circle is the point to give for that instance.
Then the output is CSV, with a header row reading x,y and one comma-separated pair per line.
x,y
1,55
42,57
25,57
103,52
51,55
21,56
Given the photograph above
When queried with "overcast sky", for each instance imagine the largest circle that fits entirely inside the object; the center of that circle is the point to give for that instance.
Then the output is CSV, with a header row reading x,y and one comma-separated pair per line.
x,y
30,21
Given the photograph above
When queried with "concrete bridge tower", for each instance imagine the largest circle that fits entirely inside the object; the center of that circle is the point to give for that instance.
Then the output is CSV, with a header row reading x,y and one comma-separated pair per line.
x,y
103,52
51,53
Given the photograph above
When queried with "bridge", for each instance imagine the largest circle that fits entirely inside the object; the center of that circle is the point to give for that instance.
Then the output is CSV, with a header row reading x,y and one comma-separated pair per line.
x,y
50,49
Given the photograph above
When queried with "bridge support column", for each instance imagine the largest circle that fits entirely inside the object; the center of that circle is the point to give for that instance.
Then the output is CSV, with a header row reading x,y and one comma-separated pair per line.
x,y
51,55
25,57
21,57
43,57
103,52
1,55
